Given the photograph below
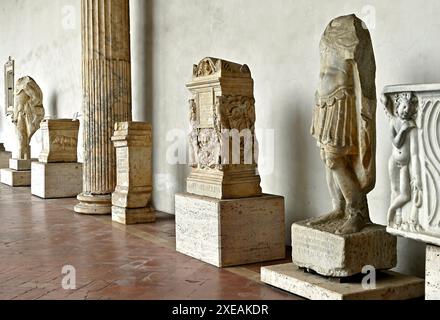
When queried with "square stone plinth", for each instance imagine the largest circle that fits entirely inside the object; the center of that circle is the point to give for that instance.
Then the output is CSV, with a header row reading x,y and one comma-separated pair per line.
x,y
230,232
4,159
133,216
15,178
56,180
432,273
20,165
389,285
318,248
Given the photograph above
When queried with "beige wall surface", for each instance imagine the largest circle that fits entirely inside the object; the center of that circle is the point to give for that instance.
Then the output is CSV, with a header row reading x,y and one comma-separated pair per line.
x,y
278,40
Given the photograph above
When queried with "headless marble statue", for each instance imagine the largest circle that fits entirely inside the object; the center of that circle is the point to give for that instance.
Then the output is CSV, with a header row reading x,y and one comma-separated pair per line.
x,y
27,114
344,121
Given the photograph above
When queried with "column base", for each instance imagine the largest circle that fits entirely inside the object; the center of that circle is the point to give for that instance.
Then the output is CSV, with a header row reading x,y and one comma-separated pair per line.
x,y
14,178
228,233
94,204
133,216
56,180
389,285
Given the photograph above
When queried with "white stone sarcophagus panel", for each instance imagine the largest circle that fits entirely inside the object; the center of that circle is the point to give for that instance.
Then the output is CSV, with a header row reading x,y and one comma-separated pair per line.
x,y
414,166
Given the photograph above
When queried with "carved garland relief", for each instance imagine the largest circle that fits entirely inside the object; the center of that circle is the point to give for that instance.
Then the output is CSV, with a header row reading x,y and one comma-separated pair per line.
x,y
207,142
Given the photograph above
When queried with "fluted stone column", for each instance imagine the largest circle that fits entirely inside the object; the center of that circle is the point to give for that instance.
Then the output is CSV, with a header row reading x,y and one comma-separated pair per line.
x,y
107,96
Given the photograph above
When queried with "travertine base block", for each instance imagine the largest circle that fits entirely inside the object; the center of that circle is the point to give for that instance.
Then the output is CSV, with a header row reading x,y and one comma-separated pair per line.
x,y
20,165
230,232
4,159
56,180
319,249
15,178
432,273
133,216
389,285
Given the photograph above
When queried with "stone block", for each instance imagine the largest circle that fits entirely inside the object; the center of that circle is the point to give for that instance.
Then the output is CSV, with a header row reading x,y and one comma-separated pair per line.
x,y
20,165
4,159
389,285
230,232
318,248
56,180
133,216
432,273
131,199
15,178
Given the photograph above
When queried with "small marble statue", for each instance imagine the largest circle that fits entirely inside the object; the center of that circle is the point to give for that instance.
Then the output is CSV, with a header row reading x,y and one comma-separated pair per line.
x,y
344,120
404,164
27,114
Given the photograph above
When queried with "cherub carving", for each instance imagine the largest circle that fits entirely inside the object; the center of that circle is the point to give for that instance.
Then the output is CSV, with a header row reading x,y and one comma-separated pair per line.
x,y
404,163
27,114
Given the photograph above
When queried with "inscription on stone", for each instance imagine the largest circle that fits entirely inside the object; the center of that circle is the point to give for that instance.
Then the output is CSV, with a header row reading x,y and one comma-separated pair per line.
x,y
206,105
314,247
207,189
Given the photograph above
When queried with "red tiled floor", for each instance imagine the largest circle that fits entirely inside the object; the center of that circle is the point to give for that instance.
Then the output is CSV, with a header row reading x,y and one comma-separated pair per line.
x,y
112,261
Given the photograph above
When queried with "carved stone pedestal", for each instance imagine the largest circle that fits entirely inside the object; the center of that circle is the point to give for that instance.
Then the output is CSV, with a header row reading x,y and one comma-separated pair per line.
x,y
224,219
222,138
60,140
18,174
230,232
389,285
318,248
132,196
5,156
56,180
328,266
58,174
432,273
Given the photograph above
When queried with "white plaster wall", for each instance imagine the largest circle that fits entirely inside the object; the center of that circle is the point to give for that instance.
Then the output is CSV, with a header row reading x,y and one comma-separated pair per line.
x,y
44,38
278,39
